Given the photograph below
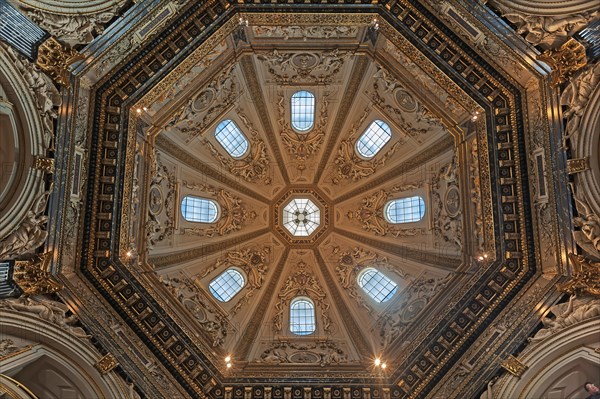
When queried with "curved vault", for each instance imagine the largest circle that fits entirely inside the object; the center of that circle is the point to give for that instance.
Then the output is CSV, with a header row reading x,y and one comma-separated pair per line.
x,y
155,121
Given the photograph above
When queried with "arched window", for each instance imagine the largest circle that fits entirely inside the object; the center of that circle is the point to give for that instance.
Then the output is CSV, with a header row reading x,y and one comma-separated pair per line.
x,y
195,209
302,316
303,110
231,138
227,284
377,285
405,210
373,139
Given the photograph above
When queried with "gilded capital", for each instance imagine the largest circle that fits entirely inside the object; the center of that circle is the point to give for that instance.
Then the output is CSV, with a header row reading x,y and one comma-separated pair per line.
x,y
33,276
565,60
54,59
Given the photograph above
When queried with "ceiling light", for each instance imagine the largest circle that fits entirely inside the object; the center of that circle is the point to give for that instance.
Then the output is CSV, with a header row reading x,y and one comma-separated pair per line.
x,y
383,365
228,365
377,361
228,359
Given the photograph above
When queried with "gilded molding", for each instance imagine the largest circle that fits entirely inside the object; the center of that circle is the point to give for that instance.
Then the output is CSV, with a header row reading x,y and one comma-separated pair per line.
x,y
578,165
55,59
514,366
106,364
565,60
33,276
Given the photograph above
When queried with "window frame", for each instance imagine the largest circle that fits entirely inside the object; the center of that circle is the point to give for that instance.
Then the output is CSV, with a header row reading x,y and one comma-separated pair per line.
x,y
184,211
292,106
294,301
391,293
225,123
421,200
219,297
367,130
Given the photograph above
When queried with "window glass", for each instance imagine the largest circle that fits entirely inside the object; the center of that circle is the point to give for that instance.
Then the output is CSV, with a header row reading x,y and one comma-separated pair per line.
x,y
195,209
405,210
302,316
373,139
377,285
226,285
303,110
231,138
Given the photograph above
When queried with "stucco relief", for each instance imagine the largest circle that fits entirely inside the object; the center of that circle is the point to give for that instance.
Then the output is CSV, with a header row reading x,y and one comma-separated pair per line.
x,y
253,167
546,30
348,165
304,67
233,213
567,314
254,263
208,317
48,310
323,353
351,262
370,213
402,107
412,303
30,234
202,109
72,28
302,282
446,209
305,32
476,199
161,203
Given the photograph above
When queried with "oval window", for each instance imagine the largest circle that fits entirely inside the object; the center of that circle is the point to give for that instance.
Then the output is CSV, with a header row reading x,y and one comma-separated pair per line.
x,y
303,111
231,138
373,139
201,210
227,284
377,285
405,210
302,316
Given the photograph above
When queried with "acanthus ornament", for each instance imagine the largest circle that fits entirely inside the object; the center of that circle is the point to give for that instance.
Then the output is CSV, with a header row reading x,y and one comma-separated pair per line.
x,y
585,278
253,167
351,262
160,224
302,145
305,32
323,353
233,214
445,206
313,68
54,59
349,165
565,60
33,275
254,263
211,321
302,283
370,213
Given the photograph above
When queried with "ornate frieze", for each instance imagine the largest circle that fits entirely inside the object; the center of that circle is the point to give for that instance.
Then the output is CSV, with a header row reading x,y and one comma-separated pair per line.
x,y
302,282
305,32
323,353
254,262
233,213
160,223
446,207
304,67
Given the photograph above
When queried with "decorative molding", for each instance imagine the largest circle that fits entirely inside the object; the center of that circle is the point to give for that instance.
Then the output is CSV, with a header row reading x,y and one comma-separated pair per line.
x,y
106,364
576,97
44,164
514,366
565,60
324,353
305,32
446,206
54,59
33,275
585,279
578,165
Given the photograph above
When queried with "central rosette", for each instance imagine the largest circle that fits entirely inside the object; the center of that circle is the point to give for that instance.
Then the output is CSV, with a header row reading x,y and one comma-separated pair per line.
x,y
301,217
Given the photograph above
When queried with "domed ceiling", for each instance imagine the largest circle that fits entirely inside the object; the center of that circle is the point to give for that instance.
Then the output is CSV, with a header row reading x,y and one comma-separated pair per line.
x,y
154,146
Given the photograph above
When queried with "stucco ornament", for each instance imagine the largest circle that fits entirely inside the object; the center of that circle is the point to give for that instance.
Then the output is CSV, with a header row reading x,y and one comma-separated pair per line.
x,y
547,30
575,98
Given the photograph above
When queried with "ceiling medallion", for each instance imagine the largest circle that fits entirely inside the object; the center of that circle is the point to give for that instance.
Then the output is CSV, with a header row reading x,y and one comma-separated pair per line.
x,y
301,216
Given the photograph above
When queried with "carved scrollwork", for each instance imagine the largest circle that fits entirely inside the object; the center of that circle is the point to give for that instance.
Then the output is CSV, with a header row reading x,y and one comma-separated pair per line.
x,y
305,67
160,224
201,110
324,353
565,60
349,165
305,32
585,279
302,283
233,214
305,145
211,321
370,213
254,262
253,167
447,214
33,275
54,59
349,265
476,199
